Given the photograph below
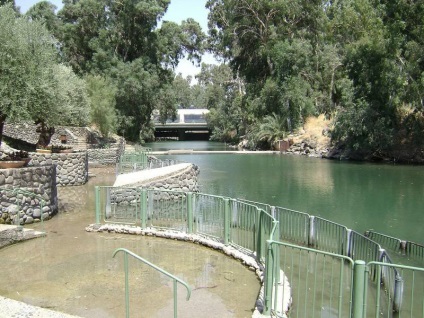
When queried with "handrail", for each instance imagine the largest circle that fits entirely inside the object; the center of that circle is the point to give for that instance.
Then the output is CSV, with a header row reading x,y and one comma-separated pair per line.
x,y
175,279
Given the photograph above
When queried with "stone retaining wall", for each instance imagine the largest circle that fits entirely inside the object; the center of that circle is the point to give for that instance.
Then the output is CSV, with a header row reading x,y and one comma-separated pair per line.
x,y
38,180
71,168
109,156
183,180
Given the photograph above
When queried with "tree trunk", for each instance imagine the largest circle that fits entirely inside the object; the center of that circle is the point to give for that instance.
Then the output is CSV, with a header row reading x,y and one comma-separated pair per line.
x,y
2,120
46,134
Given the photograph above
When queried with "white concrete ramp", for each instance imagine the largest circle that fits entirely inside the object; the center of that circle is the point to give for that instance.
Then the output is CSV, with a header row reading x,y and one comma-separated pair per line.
x,y
146,176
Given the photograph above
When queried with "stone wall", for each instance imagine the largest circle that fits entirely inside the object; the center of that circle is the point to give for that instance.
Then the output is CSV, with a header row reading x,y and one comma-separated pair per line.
x,y
109,156
76,137
71,168
16,186
185,180
27,132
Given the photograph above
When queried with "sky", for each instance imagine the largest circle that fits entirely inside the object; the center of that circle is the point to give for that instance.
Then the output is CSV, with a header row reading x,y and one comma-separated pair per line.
x,y
178,10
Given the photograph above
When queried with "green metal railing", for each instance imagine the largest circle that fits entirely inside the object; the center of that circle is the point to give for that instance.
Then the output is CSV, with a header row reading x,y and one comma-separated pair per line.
x,y
175,280
406,248
133,161
260,229
321,282
403,299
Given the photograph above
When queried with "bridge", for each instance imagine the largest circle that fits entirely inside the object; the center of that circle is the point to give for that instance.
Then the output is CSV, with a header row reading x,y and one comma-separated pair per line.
x,y
190,124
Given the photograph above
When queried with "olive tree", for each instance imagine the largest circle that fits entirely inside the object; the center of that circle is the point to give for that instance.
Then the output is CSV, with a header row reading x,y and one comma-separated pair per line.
x,y
27,60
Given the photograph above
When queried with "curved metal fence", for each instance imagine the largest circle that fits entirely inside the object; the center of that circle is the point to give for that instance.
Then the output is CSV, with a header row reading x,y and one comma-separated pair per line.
x,y
319,267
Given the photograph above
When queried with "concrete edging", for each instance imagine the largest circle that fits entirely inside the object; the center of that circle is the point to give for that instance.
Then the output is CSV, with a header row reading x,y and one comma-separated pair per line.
x,y
247,260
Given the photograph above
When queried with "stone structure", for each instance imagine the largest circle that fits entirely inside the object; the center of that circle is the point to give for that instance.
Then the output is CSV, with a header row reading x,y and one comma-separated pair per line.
x,y
80,138
71,168
108,156
28,192
180,177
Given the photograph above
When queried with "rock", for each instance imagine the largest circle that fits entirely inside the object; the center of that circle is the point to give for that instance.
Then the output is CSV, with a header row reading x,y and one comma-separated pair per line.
x,y
29,220
36,213
13,209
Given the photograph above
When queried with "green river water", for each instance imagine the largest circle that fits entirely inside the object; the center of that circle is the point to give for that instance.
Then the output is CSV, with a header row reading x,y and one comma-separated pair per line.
x,y
384,197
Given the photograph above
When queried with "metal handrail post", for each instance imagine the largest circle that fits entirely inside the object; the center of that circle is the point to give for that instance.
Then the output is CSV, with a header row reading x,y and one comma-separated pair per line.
x,y
175,298
175,279
127,288
97,195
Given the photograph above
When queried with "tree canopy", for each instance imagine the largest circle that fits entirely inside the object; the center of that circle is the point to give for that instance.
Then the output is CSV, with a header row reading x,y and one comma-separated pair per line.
x,y
356,61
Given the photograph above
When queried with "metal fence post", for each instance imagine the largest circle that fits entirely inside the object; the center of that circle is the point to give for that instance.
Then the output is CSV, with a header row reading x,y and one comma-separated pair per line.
x,y
312,232
143,208
190,212
269,279
358,289
97,200
349,247
227,221
259,234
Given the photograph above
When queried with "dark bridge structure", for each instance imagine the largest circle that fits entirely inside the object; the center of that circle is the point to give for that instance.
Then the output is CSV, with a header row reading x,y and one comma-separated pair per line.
x,y
190,124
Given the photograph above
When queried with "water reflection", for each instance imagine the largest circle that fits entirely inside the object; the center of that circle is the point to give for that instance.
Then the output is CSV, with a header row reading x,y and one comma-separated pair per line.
x,y
386,198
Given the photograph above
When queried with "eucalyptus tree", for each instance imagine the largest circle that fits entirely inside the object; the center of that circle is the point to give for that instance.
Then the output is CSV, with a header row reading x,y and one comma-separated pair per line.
x,y
182,91
222,94
46,12
382,61
280,50
121,40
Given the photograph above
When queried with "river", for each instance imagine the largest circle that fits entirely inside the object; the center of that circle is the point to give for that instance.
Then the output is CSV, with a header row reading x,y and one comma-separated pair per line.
x,y
387,198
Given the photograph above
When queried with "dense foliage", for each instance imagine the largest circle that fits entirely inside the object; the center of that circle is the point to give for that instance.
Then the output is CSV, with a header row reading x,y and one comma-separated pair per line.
x,y
114,47
357,61
34,86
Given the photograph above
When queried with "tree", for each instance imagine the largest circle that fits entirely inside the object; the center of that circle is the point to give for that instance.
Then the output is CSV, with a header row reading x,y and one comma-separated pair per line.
x,y
120,40
280,51
28,55
272,128
182,91
71,106
102,103
223,96
45,12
